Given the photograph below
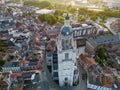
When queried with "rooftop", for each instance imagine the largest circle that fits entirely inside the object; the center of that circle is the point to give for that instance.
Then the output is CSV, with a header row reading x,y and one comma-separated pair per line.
x,y
66,30
114,39
107,71
87,61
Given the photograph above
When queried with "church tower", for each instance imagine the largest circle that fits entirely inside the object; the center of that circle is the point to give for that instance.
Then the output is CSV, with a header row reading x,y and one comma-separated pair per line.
x,y
66,47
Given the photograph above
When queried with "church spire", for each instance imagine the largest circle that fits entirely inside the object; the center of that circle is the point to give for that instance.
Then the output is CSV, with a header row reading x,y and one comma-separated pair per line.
x,y
67,20
67,17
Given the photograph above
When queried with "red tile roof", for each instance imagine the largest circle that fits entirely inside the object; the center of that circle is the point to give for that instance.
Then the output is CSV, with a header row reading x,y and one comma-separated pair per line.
x,y
14,75
2,55
87,60
107,71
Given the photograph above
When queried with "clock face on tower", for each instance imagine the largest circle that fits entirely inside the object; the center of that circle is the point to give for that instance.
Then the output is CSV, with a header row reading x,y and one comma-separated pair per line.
x,y
66,34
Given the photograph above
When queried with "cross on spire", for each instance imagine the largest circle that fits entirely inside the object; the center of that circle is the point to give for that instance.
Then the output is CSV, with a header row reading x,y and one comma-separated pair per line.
x,y
67,17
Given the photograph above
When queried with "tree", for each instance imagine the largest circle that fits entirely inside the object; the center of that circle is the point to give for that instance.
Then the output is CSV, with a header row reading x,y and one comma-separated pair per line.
x,y
37,3
15,1
2,44
101,52
4,50
98,60
11,56
9,9
46,4
2,62
81,19
93,17
59,12
60,20
42,17
82,11
110,63
51,19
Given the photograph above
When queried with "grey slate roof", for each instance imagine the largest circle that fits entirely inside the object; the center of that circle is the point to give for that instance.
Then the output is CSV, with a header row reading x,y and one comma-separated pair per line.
x,y
104,39
109,38
8,64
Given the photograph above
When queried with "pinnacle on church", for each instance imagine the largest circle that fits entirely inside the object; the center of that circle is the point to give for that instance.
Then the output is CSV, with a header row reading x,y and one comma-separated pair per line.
x,y
67,17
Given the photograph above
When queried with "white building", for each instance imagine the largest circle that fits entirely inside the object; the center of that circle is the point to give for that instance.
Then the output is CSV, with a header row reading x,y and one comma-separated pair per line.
x,y
112,3
20,4
3,1
66,50
44,11
16,33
